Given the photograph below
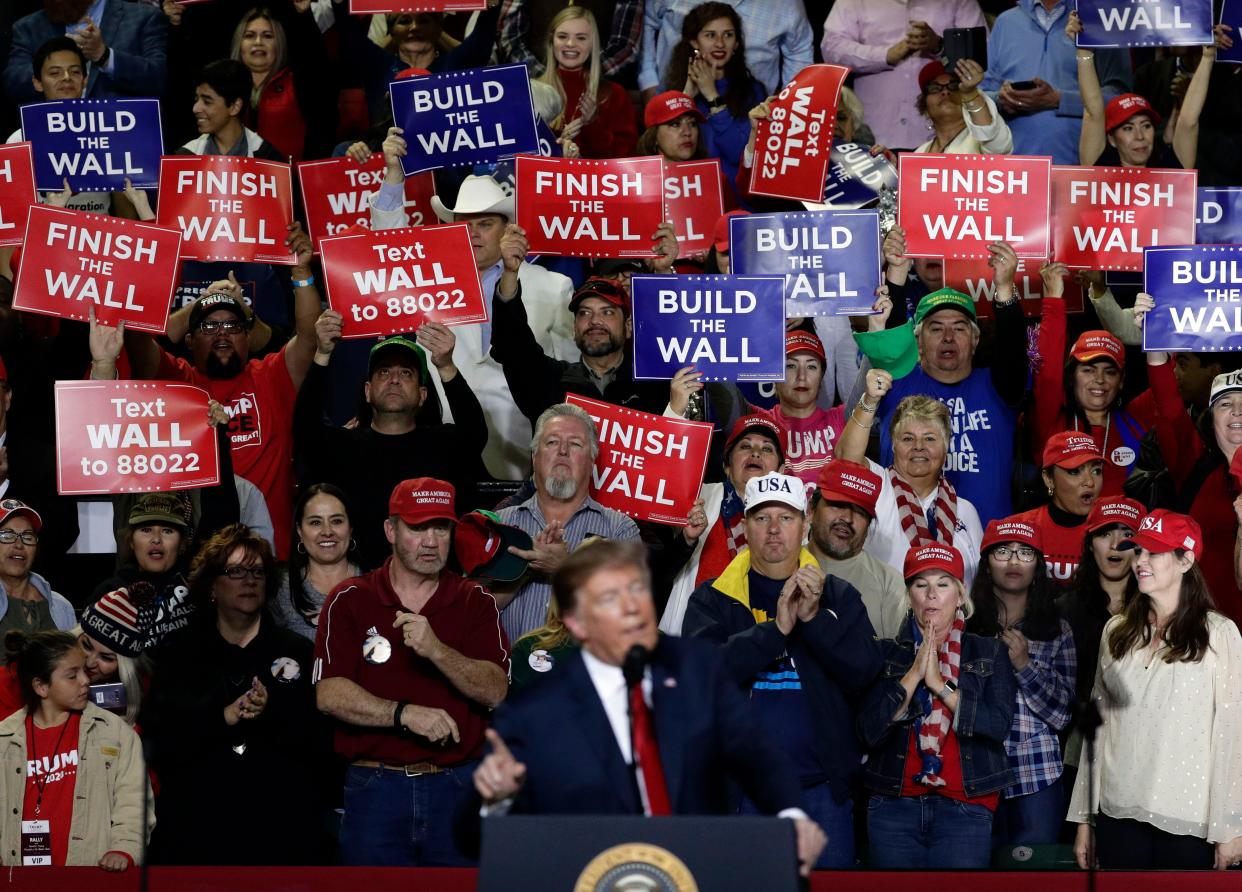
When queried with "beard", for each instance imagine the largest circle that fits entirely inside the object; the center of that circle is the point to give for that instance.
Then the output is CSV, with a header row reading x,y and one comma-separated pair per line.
x,y
598,348
560,487
65,12
222,371
831,546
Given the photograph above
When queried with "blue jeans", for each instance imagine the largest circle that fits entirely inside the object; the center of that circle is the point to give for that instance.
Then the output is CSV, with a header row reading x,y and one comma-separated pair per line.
x,y
392,820
928,832
1033,819
837,822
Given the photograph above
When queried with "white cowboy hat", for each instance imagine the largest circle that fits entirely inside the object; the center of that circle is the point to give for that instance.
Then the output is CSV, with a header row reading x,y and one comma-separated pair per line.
x,y
477,195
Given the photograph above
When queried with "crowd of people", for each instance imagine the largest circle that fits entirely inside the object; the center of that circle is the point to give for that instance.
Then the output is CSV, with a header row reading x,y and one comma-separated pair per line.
x,y
963,581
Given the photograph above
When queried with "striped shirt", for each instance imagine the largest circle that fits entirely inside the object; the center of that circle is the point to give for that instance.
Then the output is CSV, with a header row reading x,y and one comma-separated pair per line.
x,y
529,608
1045,701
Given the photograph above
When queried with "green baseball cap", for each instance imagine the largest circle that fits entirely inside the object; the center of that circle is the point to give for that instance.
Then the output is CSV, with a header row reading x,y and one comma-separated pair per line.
x,y
945,298
405,345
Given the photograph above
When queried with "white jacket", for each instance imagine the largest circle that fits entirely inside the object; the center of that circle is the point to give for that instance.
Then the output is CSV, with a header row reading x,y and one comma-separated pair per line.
x,y
712,495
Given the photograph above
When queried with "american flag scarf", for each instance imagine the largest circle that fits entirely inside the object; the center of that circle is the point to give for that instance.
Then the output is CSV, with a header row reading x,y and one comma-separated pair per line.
x,y
733,519
910,511
933,727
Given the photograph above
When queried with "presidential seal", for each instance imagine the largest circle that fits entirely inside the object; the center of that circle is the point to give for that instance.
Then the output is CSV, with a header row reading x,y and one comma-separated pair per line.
x,y
636,867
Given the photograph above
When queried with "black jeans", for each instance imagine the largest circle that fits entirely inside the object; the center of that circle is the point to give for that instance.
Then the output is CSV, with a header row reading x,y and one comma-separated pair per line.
x,y
1127,844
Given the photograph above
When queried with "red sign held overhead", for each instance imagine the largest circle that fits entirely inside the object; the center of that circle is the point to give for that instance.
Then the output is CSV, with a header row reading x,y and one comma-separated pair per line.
x,y
1105,216
791,145
228,208
73,260
956,205
337,195
694,201
133,436
973,276
574,207
650,466
394,280
17,191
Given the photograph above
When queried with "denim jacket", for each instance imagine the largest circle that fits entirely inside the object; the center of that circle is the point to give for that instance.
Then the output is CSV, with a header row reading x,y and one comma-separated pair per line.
x,y
987,693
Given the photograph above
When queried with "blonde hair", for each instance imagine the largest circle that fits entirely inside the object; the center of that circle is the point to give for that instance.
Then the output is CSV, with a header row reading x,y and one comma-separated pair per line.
x,y
968,604
552,77
925,409
128,669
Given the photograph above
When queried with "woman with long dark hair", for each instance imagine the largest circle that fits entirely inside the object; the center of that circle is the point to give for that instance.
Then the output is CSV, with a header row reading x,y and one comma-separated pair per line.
x,y
709,65
1014,602
322,556
1167,791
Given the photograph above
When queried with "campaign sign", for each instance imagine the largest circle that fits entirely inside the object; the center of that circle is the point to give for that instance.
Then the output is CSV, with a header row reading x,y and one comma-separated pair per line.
x,y
95,143
337,194
693,201
394,280
791,144
576,207
1103,217
1198,292
730,328
649,466
17,192
133,436
464,117
227,208
1219,221
855,176
72,260
956,205
1231,14
1126,23
364,7
831,260
973,276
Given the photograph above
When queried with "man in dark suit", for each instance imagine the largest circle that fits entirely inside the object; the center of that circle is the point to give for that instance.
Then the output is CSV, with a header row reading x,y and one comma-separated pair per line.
x,y
564,748
124,42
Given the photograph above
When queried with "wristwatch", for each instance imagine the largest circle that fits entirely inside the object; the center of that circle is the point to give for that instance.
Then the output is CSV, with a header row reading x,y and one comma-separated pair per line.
x,y
949,688
718,102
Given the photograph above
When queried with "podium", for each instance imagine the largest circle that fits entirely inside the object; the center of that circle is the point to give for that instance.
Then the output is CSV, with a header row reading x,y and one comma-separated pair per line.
x,y
637,854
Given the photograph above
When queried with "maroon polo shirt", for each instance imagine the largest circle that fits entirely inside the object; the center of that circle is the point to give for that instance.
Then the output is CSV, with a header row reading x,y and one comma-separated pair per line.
x,y
359,616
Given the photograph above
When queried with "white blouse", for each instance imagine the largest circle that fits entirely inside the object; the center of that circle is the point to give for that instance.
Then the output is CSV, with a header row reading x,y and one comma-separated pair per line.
x,y
1170,750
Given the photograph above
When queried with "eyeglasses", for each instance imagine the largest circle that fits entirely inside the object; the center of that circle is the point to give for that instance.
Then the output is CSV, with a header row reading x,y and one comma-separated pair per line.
x,y
223,326
258,572
28,537
1004,552
936,87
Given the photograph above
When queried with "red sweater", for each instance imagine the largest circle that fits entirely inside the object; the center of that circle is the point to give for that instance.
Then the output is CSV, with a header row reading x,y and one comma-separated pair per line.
x,y
1062,545
1181,445
280,119
613,132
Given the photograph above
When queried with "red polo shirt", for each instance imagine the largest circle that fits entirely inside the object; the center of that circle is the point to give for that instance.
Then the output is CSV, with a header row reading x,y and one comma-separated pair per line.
x,y
358,616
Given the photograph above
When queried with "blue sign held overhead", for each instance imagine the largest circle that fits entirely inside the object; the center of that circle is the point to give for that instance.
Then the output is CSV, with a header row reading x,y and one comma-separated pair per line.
x,y
730,328
1128,23
855,176
1198,293
1231,14
465,117
1218,220
94,143
831,260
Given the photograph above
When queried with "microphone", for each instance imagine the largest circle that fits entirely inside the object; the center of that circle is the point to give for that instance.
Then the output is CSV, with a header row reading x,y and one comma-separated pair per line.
x,y
636,660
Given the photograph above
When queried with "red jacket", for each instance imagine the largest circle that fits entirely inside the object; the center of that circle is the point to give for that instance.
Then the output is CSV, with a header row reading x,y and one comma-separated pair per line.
x,y
613,132
280,119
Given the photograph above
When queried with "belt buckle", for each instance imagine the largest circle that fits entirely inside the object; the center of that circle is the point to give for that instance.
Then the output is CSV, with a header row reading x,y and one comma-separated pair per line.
x,y
413,770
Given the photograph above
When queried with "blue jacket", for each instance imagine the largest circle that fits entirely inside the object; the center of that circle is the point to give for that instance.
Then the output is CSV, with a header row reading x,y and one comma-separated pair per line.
x,y
559,730
987,695
836,655
1020,50
136,33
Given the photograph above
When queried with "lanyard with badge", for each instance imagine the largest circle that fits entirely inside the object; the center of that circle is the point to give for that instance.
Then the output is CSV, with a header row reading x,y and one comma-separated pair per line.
x,y
37,834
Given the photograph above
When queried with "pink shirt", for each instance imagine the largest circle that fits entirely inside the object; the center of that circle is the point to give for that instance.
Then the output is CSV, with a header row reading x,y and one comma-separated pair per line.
x,y
811,441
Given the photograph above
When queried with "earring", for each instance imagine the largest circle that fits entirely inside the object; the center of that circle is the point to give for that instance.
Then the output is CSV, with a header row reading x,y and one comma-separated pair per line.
x,y
1050,493
353,544
301,547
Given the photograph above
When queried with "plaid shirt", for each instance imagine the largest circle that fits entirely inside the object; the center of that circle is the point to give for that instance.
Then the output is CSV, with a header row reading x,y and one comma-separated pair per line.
x,y
514,42
1045,698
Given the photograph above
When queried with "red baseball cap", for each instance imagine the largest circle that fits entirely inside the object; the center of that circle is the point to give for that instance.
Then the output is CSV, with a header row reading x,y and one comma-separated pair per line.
x,y
610,290
935,556
931,71
481,542
422,499
804,342
669,106
1124,107
846,481
760,424
720,238
1114,509
4,370
1164,530
1099,344
1012,529
1069,450
10,508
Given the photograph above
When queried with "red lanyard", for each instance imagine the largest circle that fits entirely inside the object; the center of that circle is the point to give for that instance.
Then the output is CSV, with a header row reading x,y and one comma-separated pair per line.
x,y
40,780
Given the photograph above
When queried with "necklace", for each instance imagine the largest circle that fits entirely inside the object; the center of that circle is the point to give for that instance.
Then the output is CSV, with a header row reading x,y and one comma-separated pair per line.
x,y
40,780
